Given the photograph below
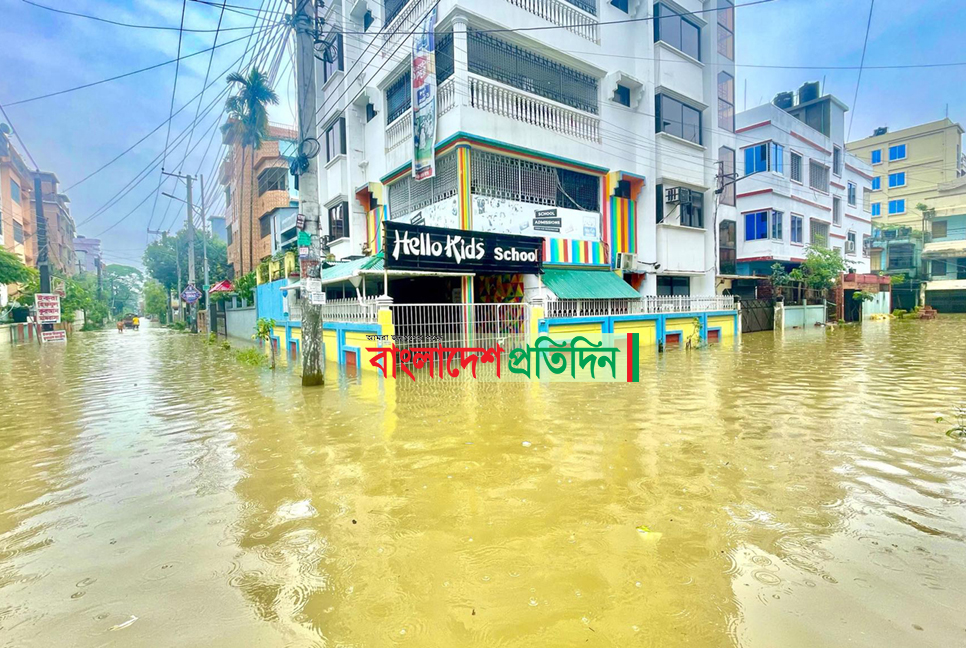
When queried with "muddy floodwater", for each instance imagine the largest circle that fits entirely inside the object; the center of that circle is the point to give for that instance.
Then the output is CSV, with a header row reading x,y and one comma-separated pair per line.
x,y
792,491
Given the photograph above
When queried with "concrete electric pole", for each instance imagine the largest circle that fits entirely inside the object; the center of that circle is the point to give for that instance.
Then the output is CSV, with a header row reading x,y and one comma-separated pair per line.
x,y
305,20
43,260
204,248
191,257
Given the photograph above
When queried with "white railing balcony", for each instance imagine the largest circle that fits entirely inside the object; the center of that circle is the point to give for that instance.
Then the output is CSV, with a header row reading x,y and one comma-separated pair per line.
x,y
500,99
647,305
564,14
400,131
685,304
403,22
446,96
351,310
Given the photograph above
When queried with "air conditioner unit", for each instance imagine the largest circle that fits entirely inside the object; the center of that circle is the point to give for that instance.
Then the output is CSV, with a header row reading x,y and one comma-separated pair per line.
x,y
627,261
850,247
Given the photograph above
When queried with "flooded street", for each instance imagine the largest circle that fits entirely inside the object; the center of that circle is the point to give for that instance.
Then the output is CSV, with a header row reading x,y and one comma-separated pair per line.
x,y
795,491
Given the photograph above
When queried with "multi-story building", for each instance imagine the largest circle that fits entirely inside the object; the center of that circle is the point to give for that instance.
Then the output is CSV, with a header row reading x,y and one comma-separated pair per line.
x,y
798,187
258,196
559,119
88,252
16,213
60,225
909,167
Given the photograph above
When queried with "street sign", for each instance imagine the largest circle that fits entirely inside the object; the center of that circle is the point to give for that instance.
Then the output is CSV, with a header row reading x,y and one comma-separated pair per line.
x,y
317,298
53,336
304,238
303,251
48,308
190,294
313,285
300,221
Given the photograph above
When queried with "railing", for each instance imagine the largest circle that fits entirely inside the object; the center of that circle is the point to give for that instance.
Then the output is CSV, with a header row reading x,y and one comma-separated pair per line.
x,y
400,131
646,305
503,100
401,18
564,14
351,310
446,96
461,325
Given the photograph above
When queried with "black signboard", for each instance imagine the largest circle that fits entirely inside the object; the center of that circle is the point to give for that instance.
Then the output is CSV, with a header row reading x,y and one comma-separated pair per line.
x,y
546,220
439,249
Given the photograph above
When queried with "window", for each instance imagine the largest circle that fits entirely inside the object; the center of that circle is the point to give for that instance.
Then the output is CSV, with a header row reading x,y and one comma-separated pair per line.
x,y
818,236
762,225
817,176
228,236
274,179
837,161
727,246
14,191
866,199
897,179
852,197
728,180
677,118
674,286
939,229
677,31
367,20
726,29
332,56
659,207
876,209
406,195
877,183
620,4
335,139
227,196
797,236
796,166
370,112
622,95
726,102
692,213
901,256
17,232
339,221
764,157
398,97
265,226
897,206
867,246
938,268
837,210
897,152
877,156
850,243
499,176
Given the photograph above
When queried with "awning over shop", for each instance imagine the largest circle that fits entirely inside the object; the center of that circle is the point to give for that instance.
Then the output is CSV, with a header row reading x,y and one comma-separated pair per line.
x,y
344,271
587,284
944,249
949,284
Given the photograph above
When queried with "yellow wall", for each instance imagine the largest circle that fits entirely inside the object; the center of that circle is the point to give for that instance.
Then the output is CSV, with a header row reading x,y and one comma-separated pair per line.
x,y
726,324
331,342
591,331
687,326
647,330
932,158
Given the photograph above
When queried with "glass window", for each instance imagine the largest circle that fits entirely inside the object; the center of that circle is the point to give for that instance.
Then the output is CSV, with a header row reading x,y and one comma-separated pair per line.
x,y
339,221
817,176
17,232
678,119
726,29
398,97
777,223
335,139
776,160
866,199
938,268
836,210
620,4
877,156
897,179
265,226
901,256
692,213
726,102
677,31
727,246
852,197
837,161
756,226
367,20
765,157
797,229
897,206
728,180
818,234
796,167
275,179
897,152
332,56
14,191
876,209
622,95
674,285
939,229
877,183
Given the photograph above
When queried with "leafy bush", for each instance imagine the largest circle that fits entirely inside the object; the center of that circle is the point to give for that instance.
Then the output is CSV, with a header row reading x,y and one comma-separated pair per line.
x,y
899,312
251,357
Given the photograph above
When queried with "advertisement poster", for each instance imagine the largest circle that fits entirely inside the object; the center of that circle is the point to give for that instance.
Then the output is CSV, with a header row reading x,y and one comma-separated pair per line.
x,y
48,308
424,98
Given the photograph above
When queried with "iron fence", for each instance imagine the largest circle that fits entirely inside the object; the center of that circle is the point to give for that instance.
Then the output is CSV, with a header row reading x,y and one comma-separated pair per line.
x,y
350,310
461,325
646,305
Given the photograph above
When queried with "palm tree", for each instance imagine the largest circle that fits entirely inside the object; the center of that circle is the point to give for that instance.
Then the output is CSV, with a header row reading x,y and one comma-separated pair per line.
x,y
248,125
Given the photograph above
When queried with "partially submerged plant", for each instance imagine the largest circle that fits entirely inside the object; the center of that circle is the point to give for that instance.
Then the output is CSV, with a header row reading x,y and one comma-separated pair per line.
x,y
959,428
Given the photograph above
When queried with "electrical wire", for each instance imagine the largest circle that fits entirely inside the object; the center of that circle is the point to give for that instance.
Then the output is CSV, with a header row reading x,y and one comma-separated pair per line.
x,y
17,133
858,82
123,24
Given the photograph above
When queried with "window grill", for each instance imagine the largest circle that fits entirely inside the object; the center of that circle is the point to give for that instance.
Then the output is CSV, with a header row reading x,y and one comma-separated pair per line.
x,y
587,5
274,179
515,179
444,57
399,96
519,68
408,195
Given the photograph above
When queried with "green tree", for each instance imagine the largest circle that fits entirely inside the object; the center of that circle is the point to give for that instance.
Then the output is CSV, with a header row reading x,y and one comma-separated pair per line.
x,y
820,270
161,258
245,286
12,269
263,332
155,299
248,126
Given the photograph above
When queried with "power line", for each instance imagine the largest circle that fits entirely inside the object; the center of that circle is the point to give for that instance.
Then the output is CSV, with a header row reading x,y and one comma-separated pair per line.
x,y
123,24
858,81
17,133
174,89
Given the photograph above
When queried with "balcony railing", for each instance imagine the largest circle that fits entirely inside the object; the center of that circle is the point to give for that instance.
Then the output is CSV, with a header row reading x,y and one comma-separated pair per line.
x,y
446,96
503,100
401,17
647,305
399,132
564,13
350,310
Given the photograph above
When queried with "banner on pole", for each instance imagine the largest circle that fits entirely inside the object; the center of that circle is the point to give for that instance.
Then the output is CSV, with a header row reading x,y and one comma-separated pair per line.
x,y
424,98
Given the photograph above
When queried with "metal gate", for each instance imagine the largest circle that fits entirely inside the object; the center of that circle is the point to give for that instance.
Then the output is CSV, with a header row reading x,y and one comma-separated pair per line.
x,y
221,321
461,325
757,315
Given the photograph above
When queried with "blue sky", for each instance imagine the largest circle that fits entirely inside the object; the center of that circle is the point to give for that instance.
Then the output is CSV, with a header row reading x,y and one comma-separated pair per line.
x,y
73,134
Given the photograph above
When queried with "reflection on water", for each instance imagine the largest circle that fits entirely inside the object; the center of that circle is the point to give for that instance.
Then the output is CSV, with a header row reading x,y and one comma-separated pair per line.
x,y
793,491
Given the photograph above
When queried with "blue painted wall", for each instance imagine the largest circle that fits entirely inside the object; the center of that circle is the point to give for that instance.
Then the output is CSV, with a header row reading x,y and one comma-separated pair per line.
x,y
269,299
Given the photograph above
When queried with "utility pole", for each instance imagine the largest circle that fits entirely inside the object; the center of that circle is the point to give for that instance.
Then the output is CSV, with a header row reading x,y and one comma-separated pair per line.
x,y
100,277
305,18
180,303
193,318
43,262
204,246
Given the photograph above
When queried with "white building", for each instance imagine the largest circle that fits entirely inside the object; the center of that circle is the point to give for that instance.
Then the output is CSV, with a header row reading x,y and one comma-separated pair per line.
x,y
797,187
544,112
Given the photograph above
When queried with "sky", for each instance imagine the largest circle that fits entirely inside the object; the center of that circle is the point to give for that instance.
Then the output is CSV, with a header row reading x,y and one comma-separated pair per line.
x,y
74,134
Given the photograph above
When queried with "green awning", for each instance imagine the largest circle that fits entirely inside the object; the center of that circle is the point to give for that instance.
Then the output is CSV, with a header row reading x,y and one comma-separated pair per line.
x,y
587,284
342,271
